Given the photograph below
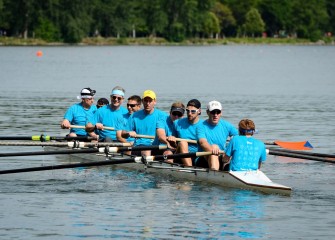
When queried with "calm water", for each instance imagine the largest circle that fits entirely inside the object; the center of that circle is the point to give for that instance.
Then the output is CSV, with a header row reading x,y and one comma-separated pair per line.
x,y
287,90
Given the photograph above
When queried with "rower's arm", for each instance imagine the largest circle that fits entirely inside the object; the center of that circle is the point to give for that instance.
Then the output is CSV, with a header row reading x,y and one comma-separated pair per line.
x,y
119,136
205,145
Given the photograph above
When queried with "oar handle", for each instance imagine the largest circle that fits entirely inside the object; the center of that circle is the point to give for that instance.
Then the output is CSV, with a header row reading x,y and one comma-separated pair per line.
x,y
178,139
83,127
139,135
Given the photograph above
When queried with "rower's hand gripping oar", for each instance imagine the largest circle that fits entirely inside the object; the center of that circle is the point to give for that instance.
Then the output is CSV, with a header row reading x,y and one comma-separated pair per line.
x,y
305,145
138,135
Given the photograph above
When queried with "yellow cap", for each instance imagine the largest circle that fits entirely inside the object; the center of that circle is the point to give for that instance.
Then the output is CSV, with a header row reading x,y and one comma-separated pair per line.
x,y
149,93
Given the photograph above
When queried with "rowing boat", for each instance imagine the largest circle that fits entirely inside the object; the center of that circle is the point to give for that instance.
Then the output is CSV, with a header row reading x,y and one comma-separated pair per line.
x,y
252,180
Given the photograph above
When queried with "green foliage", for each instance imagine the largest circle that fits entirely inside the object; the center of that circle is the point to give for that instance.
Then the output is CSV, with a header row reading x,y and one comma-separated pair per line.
x,y
175,20
177,33
47,31
254,25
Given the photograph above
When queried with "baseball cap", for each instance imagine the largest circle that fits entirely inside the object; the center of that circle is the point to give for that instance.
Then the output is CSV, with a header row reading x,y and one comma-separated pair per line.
x,y
178,109
214,105
149,93
86,93
103,101
194,103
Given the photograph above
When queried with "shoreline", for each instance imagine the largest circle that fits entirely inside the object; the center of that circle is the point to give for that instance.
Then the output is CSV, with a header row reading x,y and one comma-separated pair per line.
x,y
99,41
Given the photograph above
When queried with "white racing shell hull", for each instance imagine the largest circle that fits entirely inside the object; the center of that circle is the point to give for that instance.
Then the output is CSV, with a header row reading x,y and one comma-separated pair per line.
x,y
253,180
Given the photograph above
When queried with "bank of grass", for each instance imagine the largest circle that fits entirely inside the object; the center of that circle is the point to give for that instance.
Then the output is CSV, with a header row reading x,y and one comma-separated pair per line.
x,y
99,41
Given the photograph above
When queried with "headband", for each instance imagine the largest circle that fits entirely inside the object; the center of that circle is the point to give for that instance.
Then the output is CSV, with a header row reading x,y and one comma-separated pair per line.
x,y
118,92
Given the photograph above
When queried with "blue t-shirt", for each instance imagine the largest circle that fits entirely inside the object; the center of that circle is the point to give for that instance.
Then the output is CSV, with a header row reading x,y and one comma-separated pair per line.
x,y
78,115
166,124
145,124
109,118
216,134
123,124
246,153
186,130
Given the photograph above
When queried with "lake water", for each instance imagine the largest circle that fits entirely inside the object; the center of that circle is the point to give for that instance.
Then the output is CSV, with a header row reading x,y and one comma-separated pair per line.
x,y
287,90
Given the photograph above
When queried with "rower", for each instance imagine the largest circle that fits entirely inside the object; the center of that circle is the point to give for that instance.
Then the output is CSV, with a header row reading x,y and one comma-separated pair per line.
x,y
165,131
186,129
78,113
144,122
107,117
212,135
245,152
133,105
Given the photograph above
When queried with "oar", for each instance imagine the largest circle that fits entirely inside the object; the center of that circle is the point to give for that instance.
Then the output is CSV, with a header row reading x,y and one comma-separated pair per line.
x,y
83,127
305,153
176,156
66,144
138,135
106,150
305,145
177,139
300,156
44,138
73,165
106,162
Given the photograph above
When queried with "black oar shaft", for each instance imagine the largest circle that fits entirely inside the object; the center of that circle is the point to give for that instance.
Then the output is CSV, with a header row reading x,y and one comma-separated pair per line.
x,y
305,153
43,138
90,150
76,151
301,156
63,166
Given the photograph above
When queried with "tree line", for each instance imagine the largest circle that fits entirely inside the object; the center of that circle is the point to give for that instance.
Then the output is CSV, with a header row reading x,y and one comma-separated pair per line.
x,y
175,20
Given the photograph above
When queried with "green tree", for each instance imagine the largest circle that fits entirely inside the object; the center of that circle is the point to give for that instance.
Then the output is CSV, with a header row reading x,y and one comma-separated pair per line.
x,y
277,15
330,4
46,30
75,19
310,18
155,17
225,16
254,24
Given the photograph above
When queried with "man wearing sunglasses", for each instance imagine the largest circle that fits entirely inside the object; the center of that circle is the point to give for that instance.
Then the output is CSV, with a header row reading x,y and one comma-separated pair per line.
x,y
102,102
78,113
133,105
144,122
186,129
165,132
108,116
212,135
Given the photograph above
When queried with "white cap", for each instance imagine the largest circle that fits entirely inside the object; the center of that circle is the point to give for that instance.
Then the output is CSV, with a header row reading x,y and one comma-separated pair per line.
x,y
86,93
213,105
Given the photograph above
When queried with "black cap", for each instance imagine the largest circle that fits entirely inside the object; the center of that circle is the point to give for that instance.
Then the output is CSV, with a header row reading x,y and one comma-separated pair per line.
x,y
103,101
178,109
194,103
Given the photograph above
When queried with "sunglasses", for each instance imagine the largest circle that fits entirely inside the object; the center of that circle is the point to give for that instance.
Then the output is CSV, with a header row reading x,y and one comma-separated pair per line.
x,y
118,98
132,105
215,112
192,111
179,114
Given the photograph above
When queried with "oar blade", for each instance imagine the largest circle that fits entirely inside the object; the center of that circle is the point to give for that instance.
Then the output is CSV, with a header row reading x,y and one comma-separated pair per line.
x,y
305,145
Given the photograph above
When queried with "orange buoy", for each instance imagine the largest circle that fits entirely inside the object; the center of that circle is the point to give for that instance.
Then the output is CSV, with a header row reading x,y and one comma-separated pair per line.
x,y
39,53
